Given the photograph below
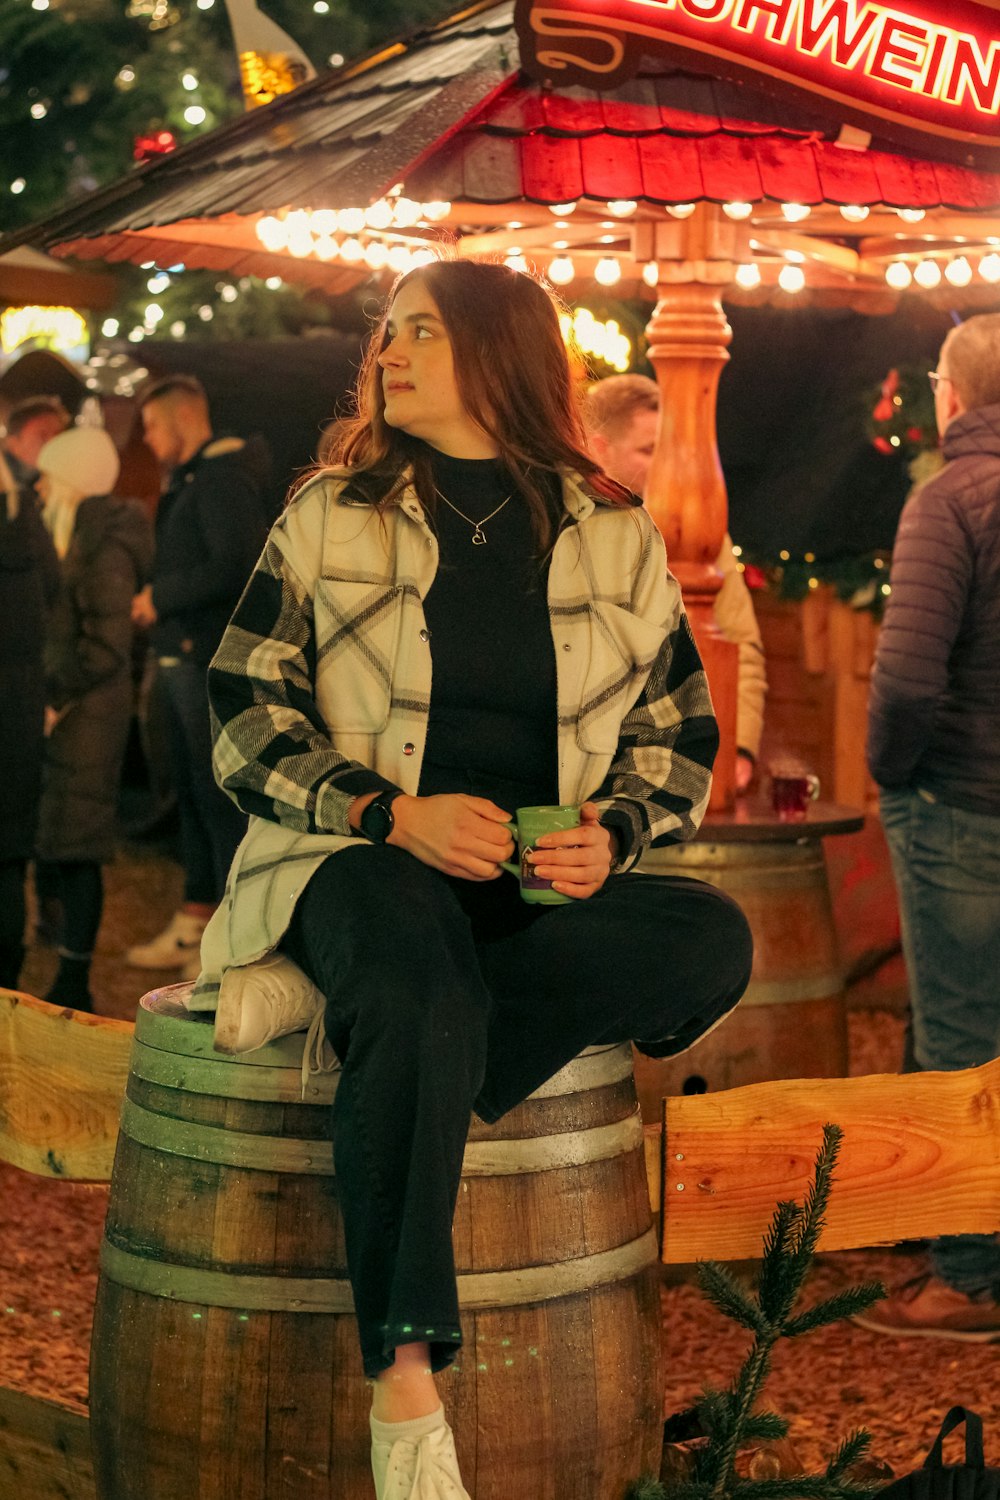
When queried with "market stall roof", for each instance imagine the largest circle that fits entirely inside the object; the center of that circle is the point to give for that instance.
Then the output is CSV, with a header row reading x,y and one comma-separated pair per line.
x,y
27,276
446,117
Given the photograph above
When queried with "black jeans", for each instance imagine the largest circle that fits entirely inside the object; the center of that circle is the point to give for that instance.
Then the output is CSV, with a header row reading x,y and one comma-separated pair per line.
x,y
211,825
446,996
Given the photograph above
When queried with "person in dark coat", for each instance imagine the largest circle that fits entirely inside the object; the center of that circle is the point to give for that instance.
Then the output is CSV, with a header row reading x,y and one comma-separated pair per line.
x,y
211,524
105,547
934,749
29,579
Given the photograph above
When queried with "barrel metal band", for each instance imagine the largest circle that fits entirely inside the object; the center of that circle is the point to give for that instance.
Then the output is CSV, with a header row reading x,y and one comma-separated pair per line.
x,y
477,1291
268,1153
203,1075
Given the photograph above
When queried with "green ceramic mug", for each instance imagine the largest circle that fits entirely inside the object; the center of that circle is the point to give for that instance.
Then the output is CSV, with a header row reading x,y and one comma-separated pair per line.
x,y
529,824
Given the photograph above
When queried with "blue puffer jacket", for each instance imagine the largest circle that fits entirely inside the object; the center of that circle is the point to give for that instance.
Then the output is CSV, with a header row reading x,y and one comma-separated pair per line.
x,y
934,716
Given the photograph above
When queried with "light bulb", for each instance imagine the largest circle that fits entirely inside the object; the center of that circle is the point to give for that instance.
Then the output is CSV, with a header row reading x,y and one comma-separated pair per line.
x,y
989,267
400,258
351,220
560,209
379,215
622,207
300,243
272,233
352,250
326,247
425,256
18,186
323,222
791,278
189,81
795,212
195,115
436,210
898,275
39,111
273,282
651,273
927,275
178,329
608,271
680,210
228,293
748,276
376,255
406,213
854,213
110,327
911,215
958,271
561,270
516,261
737,210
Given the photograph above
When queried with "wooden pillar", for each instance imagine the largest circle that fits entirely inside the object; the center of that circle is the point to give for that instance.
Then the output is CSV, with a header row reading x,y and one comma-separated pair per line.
x,y
689,339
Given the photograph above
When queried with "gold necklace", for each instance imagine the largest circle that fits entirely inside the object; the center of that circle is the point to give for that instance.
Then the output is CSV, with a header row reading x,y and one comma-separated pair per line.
x,y
478,534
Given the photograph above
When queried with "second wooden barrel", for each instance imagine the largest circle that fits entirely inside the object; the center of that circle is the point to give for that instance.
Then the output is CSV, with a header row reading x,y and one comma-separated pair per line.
x,y
224,1361
791,1023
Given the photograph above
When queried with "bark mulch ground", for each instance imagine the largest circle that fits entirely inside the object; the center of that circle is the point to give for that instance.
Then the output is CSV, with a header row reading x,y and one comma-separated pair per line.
x,y
825,1383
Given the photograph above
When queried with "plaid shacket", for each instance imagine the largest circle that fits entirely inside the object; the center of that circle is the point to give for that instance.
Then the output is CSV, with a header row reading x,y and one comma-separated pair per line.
x,y
321,687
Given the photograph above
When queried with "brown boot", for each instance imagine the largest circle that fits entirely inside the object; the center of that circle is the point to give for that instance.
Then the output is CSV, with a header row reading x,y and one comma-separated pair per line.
x,y
927,1308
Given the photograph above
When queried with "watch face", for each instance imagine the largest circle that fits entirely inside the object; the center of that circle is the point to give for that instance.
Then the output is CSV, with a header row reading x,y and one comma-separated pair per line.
x,y
376,821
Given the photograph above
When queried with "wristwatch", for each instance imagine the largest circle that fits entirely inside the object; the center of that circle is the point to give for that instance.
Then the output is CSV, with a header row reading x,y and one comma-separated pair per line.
x,y
377,822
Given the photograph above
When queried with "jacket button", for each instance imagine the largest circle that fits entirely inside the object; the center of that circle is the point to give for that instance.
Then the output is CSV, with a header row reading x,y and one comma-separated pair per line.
x,y
408,749
567,646
425,635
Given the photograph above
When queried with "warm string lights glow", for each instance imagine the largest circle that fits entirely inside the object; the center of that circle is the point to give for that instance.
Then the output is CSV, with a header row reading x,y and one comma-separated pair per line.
x,y
363,237
601,338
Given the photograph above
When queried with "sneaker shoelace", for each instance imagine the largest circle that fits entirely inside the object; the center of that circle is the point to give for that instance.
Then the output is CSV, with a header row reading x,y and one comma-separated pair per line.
x,y
435,1475
318,1055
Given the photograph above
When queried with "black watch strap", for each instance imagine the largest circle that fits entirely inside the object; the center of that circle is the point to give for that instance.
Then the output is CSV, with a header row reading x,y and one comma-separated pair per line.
x,y
377,822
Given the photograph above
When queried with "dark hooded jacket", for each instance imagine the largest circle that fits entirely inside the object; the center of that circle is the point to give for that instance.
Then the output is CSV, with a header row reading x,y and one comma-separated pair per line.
x,y
934,716
88,678
211,524
29,581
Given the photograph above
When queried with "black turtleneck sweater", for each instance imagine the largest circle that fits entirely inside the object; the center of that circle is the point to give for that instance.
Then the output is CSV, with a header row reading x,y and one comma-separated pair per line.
x,y
492,730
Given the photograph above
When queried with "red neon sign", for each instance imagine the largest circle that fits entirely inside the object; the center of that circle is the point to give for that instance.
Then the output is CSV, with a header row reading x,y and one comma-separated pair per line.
x,y
930,66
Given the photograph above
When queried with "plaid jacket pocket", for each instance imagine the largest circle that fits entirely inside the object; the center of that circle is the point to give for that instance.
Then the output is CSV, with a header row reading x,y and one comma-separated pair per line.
x,y
357,623
623,650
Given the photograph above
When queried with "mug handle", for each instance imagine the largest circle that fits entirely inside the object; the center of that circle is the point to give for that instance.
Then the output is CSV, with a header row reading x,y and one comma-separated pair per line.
x,y
813,784
506,864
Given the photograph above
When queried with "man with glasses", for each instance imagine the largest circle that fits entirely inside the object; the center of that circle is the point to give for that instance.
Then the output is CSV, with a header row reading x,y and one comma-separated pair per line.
x,y
934,749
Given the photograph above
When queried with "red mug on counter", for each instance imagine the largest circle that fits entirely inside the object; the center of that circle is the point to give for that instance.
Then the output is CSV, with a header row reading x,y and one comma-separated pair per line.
x,y
792,790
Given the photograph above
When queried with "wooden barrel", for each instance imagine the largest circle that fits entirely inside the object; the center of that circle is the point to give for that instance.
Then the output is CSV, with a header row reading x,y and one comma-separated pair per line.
x,y
225,1363
791,1023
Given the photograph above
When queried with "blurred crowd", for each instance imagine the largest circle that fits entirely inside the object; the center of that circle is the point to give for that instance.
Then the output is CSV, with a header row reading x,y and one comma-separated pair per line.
x,y
108,615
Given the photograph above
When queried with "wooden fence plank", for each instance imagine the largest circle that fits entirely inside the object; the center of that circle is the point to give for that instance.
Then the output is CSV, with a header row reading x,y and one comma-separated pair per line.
x,y
62,1078
920,1156
44,1450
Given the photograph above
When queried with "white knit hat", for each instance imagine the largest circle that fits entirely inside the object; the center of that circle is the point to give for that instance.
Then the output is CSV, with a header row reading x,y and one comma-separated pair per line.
x,y
84,459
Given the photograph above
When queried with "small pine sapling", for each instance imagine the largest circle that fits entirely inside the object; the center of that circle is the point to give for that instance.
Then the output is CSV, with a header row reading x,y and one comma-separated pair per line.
x,y
729,1419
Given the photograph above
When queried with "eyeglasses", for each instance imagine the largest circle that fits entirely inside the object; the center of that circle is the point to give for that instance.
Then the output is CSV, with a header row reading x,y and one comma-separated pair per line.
x,y
935,377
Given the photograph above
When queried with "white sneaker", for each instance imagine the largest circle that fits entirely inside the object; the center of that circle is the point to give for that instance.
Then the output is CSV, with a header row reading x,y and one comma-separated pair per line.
x,y
178,944
422,1467
261,1001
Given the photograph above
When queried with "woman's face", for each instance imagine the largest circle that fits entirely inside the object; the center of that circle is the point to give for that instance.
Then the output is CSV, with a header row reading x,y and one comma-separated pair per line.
x,y
418,378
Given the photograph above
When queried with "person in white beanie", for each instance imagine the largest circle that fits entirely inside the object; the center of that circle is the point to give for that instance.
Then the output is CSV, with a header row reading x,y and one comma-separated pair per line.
x,y
105,547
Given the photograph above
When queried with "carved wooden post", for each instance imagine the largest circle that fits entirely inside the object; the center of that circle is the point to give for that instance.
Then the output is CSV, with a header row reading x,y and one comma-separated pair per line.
x,y
686,492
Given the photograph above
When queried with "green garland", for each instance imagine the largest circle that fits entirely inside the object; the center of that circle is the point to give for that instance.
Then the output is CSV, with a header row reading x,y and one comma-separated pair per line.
x,y
860,581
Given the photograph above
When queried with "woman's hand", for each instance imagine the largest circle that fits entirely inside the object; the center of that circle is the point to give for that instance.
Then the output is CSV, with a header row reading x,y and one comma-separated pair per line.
x,y
576,860
459,835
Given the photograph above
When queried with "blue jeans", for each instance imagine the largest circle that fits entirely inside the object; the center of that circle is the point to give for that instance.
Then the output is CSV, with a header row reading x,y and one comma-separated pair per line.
x,y
211,825
946,864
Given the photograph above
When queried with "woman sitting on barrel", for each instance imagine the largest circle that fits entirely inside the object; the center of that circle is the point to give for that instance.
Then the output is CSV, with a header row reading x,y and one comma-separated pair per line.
x,y
464,617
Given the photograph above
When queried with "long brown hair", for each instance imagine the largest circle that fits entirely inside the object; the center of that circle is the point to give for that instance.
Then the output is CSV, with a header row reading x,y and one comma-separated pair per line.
x,y
513,372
